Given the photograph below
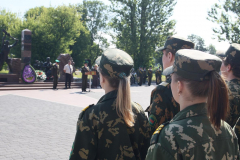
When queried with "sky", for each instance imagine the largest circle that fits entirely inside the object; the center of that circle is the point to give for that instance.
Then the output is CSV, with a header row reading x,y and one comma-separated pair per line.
x,y
190,16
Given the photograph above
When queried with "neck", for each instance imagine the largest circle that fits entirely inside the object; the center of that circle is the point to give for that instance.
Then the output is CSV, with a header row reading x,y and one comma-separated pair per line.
x,y
185,103
231,77
108,89
170,64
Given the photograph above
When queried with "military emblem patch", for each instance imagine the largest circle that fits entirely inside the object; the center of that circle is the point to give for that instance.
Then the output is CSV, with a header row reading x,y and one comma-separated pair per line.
x,y
152,120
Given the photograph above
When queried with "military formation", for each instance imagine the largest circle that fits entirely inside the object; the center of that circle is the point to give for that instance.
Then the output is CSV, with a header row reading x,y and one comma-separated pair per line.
x,y
194,114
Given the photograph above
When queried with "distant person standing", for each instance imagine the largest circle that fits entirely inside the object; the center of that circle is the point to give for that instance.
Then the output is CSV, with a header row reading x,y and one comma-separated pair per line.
x,y
55,73
144,75
158,75
68,70
95,82
150,76
140,76
84,76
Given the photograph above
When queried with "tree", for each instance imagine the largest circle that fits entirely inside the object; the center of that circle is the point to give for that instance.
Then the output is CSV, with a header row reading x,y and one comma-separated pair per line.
x,y
53,30
212,49
199,42
11,23
140,26
226,15
94,18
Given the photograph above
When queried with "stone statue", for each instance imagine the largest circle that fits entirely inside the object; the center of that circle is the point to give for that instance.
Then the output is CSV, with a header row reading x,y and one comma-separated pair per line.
x,y
48,65
38,65
5,50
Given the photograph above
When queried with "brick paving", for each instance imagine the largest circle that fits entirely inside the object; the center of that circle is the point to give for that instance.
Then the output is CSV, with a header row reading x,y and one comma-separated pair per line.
x,y
41,124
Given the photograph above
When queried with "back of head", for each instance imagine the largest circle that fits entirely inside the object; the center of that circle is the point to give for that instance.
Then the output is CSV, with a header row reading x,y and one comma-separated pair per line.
x,y
115,66
174,43
200,72
233,58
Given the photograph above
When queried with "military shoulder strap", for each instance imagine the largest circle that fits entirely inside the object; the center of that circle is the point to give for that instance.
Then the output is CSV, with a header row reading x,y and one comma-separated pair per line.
x,y
83,111
137,106
164,84
156,134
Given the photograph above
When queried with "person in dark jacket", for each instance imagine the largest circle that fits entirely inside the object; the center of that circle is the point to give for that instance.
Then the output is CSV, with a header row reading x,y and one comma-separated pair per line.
x,y
84,76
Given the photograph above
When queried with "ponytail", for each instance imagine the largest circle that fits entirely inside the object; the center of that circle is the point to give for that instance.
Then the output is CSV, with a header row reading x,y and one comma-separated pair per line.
x,y
123,104
215,89
217,103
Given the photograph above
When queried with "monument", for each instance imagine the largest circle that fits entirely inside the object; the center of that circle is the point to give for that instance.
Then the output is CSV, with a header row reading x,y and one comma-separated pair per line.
x,y
13,63
28,72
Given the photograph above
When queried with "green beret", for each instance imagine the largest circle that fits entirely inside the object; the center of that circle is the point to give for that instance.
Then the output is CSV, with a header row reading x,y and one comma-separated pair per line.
x,y
57,60
116,63
233,52
175,43
194,64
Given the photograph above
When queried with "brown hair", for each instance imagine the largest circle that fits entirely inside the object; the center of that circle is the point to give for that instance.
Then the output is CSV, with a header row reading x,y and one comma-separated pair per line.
x,y
170,50
235,67
215,90
123,103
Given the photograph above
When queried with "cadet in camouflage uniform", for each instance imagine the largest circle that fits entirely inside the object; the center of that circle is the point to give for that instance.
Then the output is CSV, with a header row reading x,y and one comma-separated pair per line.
x,y
115,128
198,131
158,75
150,76
55,73
140,76
144,75
230,70
162,105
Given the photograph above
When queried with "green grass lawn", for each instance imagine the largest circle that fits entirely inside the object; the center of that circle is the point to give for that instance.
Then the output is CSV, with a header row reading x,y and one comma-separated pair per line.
x,y
4,71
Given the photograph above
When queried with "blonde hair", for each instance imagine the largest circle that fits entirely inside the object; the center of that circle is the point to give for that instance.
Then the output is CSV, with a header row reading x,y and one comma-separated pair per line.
x,y
123,102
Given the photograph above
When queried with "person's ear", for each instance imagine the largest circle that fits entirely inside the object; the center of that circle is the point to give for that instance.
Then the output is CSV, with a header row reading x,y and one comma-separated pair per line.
x,y
229,67
179,87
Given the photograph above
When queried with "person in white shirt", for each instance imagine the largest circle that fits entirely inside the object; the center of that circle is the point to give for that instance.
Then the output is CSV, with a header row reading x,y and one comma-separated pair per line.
x,y
68,70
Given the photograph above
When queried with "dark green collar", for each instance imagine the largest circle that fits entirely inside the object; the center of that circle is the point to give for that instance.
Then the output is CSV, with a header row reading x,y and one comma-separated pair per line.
x,y
109,95
191,111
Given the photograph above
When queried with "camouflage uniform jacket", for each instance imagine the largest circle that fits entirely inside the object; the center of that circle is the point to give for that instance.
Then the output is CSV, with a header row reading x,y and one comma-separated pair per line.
x,y
158,75
237,130
150,73
191,136
234,101
163,107
102,134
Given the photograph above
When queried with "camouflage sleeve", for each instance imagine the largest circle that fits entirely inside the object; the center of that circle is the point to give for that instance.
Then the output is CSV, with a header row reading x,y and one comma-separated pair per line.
x,y
237,130
84,146
158,112
234,111
156,151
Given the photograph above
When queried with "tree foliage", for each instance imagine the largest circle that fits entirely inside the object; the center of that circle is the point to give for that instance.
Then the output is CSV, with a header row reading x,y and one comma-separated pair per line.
x,y
90,44
200,44
226,15
140,26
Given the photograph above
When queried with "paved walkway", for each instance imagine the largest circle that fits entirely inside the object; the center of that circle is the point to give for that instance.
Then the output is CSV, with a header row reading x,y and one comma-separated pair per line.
x,y
41,124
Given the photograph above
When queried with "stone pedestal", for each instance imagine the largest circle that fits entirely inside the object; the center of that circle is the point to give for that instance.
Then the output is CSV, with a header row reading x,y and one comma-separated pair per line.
x,y
26,46
9,78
